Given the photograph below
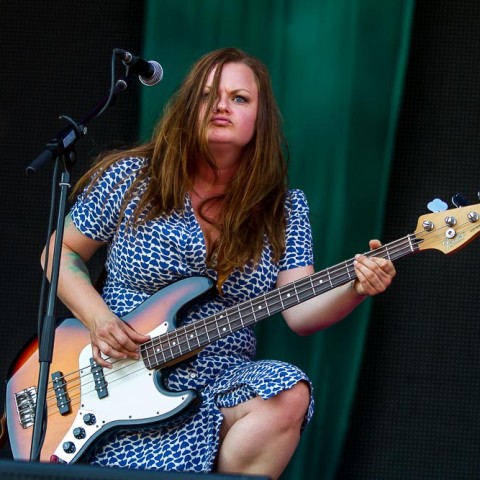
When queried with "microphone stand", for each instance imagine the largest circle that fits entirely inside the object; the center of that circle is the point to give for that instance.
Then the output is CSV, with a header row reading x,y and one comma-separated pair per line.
x,y
61,149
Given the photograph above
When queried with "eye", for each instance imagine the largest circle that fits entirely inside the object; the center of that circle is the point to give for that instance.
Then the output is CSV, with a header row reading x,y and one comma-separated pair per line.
x,y
239,99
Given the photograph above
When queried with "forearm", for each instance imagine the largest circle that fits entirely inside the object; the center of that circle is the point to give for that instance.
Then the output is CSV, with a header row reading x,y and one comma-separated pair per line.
x,y
324,310
373,276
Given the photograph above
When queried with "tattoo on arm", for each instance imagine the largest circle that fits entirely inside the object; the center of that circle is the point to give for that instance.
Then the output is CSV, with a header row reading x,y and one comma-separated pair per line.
x,y
77,266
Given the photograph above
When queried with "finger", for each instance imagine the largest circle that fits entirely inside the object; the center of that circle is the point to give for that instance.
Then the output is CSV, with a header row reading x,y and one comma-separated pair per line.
x,y
365,286
107,343
135,336
128,341
97,357
378,265
373,279
386,266
117,338
113,349
368,263
374,244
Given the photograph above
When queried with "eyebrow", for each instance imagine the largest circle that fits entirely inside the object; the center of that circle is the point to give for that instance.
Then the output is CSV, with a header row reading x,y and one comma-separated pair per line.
x,y
237,90
241,90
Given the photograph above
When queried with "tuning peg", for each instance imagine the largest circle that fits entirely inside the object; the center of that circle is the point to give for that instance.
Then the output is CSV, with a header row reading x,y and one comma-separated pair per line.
x,y
459,200
437,205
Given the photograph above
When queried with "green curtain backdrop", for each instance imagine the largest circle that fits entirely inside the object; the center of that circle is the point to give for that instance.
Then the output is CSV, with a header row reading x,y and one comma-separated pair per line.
x,y
337,68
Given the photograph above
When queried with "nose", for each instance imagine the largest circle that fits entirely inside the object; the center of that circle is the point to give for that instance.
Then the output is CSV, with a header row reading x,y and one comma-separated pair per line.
x,y
221,104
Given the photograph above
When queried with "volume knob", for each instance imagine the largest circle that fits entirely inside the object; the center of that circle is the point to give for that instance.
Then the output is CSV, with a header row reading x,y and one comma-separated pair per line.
x,y
79,433
69,447
89,419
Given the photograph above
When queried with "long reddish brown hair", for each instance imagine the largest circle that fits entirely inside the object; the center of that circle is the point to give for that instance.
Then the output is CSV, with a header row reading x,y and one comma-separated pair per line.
x,y
253,205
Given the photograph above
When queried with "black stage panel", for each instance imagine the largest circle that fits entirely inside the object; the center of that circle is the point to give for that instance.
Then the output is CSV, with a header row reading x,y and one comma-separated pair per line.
x,y
416,414
42,471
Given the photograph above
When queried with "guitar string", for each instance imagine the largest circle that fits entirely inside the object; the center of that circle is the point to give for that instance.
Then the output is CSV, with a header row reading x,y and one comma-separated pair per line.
x,y
76,387
392,251
387,251
298,288
166,339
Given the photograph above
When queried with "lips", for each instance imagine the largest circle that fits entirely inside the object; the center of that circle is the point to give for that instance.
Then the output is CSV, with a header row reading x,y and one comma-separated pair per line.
x,y
219,120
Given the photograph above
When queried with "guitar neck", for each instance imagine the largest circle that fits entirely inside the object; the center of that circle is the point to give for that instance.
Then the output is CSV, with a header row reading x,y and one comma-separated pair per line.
x,y
186,339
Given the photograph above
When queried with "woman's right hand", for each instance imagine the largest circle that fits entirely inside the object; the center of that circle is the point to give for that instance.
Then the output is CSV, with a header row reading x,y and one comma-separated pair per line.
x,y
112,338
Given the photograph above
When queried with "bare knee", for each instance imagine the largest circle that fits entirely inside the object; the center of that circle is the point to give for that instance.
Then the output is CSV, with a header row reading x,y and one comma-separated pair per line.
x,y
259,436
285,411
291,405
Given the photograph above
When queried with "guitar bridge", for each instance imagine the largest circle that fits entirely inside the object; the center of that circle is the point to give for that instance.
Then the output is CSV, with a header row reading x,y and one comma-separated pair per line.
x,y
26,401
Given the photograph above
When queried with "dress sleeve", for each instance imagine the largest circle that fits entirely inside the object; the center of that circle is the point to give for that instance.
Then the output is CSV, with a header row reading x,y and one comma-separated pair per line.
x,y
96,210
298,238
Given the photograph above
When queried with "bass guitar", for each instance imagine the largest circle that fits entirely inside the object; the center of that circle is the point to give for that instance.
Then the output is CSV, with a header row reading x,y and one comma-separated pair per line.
x,y
84,401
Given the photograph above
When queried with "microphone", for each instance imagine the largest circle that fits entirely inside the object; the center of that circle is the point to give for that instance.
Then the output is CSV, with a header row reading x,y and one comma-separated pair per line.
x,y
149,73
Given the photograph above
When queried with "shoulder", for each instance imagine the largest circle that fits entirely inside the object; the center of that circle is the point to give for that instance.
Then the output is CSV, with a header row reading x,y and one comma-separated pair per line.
x,y
297,213
118,176
96,211
298,234
123,168
296,200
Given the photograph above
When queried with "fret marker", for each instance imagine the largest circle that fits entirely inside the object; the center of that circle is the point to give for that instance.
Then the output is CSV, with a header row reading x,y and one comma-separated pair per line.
x,y
174,343
157,350
224,329
288,295
260,307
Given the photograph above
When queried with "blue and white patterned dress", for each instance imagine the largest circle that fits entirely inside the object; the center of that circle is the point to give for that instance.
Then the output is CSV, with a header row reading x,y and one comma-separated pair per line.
x,y
158,253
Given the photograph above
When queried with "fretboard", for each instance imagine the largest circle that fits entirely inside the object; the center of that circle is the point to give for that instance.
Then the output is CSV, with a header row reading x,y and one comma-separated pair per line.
x,y
192,337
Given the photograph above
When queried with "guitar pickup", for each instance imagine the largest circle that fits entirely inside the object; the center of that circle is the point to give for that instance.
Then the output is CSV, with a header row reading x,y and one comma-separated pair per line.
x,y
99,379
60,389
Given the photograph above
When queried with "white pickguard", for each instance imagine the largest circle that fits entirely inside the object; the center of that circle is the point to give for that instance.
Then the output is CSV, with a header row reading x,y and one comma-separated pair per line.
x,y
133,398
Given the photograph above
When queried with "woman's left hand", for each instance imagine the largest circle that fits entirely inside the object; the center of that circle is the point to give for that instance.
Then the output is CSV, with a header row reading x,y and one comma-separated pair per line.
x,y
374,274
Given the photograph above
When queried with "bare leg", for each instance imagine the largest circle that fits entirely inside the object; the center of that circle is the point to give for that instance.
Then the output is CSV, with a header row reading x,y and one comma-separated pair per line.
x,y
259,437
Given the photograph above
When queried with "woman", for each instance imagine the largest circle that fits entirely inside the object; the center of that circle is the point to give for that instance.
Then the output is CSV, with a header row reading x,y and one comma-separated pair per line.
x,y
206,196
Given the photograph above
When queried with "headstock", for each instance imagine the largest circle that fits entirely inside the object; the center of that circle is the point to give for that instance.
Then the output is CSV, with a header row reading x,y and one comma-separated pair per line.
x,y
448,230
